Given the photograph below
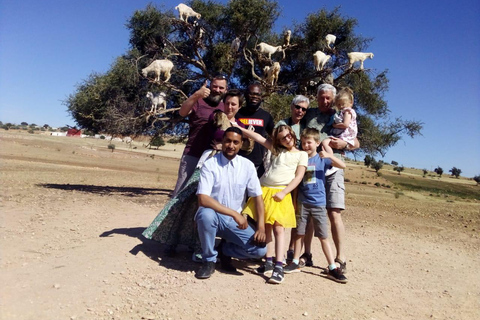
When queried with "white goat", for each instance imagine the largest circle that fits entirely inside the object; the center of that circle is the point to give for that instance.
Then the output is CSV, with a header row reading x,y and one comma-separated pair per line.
x,y
358,56
286,38
271,73
185,12
159,67
157,99
235,45
320,59
267,49
330,39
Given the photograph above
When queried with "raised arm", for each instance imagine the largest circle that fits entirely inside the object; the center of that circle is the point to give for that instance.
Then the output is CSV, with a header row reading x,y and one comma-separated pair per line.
x,y
188,104
254,136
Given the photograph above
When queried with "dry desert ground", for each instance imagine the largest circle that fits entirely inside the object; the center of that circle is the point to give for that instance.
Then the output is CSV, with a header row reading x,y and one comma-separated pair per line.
x,y
72,214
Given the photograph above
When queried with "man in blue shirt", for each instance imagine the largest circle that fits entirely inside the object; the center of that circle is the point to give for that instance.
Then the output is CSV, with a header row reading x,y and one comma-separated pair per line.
x,y
225,181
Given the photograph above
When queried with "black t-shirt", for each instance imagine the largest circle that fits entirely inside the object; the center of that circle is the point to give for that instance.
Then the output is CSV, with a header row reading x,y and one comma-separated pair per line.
x,y
263,123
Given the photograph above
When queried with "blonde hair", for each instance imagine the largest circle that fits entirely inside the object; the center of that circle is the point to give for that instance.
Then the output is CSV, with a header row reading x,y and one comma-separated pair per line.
x,y
277,145
345,94
311,133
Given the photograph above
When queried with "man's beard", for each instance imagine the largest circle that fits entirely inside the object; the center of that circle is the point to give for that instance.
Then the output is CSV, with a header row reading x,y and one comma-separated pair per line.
x,y
214,100
253,106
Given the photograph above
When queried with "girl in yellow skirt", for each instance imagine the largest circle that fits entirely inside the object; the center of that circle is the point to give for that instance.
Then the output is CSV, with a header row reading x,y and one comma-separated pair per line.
x,y
283,174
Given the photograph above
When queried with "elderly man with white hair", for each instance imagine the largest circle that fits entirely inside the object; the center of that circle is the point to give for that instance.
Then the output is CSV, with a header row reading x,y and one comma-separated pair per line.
x,y
319,118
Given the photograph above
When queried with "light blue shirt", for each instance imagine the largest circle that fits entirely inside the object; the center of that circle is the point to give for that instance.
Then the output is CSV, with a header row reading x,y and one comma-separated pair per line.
x,y
229,181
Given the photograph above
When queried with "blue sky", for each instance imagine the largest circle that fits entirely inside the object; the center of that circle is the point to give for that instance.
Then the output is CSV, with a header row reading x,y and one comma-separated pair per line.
x,y
431,48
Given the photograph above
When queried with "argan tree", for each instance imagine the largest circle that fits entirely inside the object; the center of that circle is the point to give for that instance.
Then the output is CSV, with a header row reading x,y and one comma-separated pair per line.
x,y
438,170
455,172
115,102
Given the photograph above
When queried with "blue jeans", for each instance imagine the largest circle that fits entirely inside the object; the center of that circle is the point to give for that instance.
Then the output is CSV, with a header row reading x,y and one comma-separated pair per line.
x,y
238,242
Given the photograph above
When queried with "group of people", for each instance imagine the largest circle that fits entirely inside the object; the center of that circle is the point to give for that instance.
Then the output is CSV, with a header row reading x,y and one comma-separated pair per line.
x,y
247,197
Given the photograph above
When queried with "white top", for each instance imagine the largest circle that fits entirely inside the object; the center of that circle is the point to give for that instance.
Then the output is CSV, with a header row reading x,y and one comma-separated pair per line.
x,y
229,181
283,167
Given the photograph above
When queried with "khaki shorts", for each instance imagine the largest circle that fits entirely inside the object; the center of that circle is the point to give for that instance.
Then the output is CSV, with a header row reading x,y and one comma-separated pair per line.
x,y
319,219
335,190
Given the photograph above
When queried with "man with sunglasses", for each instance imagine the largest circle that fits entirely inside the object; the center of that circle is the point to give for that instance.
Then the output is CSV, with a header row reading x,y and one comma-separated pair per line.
x,y
199,107
319,118
262,121
298,109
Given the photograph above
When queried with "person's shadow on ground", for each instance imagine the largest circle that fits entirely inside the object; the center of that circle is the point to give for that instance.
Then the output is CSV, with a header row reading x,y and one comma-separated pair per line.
x,y
156,251
181,261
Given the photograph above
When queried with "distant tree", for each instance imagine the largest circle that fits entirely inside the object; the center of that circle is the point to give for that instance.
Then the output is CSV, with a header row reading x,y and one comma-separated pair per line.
x,y
477,179
399,169
114,102
111,146
24,124
1,123
376,165
46,126
368,160
7,126
425,171
394,163
438,171
455,172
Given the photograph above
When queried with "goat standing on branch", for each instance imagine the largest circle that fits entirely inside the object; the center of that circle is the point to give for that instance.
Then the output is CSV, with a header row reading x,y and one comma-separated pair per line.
x,y
185,12
320,59
159,67
271,73
330,38
268,50
157,99
358,56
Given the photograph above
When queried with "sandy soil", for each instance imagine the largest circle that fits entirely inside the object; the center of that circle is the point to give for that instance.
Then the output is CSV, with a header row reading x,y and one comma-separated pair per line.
x,y
72,214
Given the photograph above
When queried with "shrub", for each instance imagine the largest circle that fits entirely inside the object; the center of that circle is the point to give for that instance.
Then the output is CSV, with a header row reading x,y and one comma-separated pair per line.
x,y
31,131
111,146
377,184
102,137
157,142
346,180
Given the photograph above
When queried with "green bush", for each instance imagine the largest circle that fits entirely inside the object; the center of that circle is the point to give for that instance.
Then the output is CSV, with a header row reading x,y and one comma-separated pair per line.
x,y
377,184
111,146
157,142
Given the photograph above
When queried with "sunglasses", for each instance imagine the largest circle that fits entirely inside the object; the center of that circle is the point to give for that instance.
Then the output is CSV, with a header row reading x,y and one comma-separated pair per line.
x,y
301,108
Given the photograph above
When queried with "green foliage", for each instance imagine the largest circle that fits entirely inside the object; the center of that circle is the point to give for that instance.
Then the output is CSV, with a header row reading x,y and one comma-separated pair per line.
x,y
368,160
376,165
24,123
157,142
438,170
115,102
455,172
399,169
477,179
111,146
31,131
394,163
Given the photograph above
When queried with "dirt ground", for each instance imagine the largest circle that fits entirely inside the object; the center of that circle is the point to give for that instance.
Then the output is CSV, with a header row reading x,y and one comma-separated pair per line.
x,y
72,214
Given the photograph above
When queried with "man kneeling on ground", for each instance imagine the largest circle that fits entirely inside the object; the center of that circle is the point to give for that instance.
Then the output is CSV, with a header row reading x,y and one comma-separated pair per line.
x,y
225,180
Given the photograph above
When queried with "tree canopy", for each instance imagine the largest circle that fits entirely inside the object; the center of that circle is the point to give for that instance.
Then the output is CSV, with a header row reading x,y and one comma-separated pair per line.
x,y
115,102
